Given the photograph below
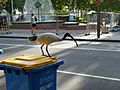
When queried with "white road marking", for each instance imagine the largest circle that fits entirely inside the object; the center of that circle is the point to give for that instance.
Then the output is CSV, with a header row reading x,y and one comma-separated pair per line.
x,y
66,47
20,45
90,76
1,74
89,48
11,47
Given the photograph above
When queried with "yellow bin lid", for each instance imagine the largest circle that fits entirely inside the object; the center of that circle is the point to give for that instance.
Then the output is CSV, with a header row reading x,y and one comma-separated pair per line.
x,y
0,62
29,61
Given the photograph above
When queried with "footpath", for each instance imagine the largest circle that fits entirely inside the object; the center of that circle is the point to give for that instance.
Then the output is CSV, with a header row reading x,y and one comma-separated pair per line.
x,y
79,35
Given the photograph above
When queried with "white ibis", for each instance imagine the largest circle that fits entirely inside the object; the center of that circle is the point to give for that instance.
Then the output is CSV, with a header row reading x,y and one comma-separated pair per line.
x,y
48,38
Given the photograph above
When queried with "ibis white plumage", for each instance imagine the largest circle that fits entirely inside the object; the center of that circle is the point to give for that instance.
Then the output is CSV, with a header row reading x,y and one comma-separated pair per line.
x,y
48,38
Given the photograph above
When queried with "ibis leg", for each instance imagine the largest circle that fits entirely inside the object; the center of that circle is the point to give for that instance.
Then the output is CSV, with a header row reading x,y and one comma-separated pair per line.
x,y
42,49
48,51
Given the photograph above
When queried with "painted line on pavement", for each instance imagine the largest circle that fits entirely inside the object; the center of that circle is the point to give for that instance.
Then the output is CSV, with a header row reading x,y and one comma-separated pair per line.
x,y
71,47
89,76
11,47
1,74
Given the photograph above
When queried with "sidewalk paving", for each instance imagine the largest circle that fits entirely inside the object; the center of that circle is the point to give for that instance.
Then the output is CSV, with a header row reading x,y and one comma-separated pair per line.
x,y
78,35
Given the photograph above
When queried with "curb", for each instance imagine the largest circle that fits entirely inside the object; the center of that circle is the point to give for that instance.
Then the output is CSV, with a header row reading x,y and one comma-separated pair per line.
x,y
18,37
94,40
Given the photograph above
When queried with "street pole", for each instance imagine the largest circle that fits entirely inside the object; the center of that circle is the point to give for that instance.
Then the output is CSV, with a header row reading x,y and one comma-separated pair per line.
x,y
38,5
12,7
57,27
98,18
38,15
12,10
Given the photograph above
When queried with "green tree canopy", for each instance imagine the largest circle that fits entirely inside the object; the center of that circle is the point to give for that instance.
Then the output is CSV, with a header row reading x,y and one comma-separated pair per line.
x,y
17,4
60,5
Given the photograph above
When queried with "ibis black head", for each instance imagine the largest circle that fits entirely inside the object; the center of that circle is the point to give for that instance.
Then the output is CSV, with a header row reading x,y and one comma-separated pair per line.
x,y
68,35
33,38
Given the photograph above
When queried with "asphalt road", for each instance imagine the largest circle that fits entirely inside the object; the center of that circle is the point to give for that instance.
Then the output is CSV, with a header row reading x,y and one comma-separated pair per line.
x,y
91,66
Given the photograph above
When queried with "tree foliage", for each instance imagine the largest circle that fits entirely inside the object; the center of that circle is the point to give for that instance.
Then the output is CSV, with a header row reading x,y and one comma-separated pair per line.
x,y
17,4
114,5
2,2
63,6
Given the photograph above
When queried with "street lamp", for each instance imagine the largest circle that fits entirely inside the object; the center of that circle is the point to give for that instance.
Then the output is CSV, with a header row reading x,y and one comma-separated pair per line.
x,y
38,5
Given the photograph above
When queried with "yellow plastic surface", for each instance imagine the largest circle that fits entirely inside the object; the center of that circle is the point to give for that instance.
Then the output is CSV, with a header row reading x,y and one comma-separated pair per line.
x,y
0,62
29,61
29,57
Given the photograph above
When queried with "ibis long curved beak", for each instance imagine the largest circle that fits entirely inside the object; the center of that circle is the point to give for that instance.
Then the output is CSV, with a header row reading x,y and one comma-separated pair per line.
x,y
68,35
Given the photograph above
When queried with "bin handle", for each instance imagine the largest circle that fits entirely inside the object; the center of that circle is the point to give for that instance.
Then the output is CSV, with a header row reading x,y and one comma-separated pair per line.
x,y
55,64
5,66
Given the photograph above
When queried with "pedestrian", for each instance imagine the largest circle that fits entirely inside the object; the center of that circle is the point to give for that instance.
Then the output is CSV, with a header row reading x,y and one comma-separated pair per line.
x,y
33,24
4,22
0,22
